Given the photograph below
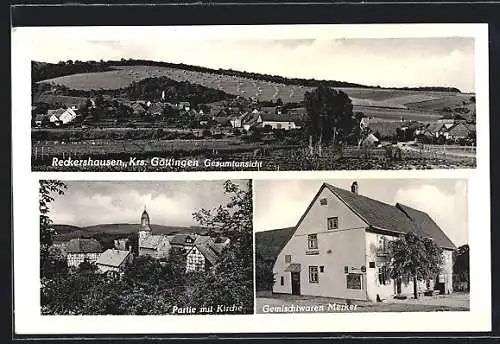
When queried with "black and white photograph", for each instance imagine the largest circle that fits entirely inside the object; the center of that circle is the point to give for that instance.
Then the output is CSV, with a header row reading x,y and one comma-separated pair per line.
x,y
115,101
146,247
391,245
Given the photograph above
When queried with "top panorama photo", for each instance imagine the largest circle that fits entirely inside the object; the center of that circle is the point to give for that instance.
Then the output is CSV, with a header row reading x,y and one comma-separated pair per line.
x,y
259,105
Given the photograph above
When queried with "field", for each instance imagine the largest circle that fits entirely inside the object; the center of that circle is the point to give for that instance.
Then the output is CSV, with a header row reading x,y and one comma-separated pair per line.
x,y
273,157
113,148
123,76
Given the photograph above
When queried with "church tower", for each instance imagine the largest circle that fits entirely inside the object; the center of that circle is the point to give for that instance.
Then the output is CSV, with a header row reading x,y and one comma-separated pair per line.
x,y
145,228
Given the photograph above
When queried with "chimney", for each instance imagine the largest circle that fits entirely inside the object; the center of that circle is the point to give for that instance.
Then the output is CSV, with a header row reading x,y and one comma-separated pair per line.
x,y
354,187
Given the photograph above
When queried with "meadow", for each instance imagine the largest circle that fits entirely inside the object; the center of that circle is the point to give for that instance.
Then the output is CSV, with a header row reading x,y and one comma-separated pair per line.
x,y
122,76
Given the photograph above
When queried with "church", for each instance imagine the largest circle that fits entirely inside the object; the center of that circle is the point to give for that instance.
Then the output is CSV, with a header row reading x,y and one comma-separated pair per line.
x,y
201,251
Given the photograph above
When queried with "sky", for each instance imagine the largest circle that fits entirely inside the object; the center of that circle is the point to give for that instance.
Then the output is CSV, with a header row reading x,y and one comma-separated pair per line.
x,y
388,62
86,203
281,203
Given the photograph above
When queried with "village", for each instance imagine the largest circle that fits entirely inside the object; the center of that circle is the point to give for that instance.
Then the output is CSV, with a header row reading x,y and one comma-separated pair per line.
x,y
239,117
199,252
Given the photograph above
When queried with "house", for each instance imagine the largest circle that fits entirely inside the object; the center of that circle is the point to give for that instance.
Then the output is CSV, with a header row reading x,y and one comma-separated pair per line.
x,y
61,116
155,109
138,108
458,131
387,130
113,260
278,121
339,248
369,141
251,120
436,129
159,246
450,119
201,257
121,244
237,120
40,120
186,106
156,246
80,250
408,130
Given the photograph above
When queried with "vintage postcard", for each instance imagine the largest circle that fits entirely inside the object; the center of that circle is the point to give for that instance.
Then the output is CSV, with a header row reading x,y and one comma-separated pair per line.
x,y
146,247
117,102
392,245
320,178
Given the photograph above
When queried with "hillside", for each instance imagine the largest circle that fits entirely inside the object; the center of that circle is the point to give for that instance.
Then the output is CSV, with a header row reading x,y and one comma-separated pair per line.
x,y
268,244
262,87
67,232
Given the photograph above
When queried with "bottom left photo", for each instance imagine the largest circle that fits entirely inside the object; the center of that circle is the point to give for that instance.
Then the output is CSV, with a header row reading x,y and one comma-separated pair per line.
x,y
146,247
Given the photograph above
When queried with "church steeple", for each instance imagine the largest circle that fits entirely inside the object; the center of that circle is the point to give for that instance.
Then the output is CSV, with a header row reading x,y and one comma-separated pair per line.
x,y
145,223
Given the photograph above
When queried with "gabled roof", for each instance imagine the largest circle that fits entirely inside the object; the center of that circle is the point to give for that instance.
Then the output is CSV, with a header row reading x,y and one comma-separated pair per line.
x,y
56,112
376,214
113,257
379,216
83,246
181,239
207,252
40,117
434,127
286,117
427,226
459,129
152,241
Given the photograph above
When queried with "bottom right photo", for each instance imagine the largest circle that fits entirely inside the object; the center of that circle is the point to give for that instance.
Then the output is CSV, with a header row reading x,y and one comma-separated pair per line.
x,y
365,245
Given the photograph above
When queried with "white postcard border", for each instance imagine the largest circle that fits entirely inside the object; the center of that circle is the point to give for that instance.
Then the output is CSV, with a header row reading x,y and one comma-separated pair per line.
x,y
25,209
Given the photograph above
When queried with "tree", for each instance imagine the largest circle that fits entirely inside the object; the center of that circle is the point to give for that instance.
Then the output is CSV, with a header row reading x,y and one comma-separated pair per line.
x,y
264,276
46,191
461,272
49,259
231,279
331,117
415,258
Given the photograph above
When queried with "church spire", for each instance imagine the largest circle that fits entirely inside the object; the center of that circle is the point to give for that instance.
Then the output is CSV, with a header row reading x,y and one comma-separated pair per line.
x,y
145,222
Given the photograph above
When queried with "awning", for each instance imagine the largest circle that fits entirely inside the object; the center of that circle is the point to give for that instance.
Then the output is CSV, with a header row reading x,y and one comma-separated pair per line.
x,y
294,267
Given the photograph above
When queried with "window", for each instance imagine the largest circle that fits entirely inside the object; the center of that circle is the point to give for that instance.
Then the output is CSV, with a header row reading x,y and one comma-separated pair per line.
x,y
354,281
333,223
346,269
282,280
323,201
321,268
313,274
312,241
383,275
382,246
288,258
372,265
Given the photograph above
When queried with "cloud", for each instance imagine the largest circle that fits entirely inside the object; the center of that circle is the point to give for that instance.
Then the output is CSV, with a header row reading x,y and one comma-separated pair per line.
x,y
445,61
281,203
448,210
168,202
